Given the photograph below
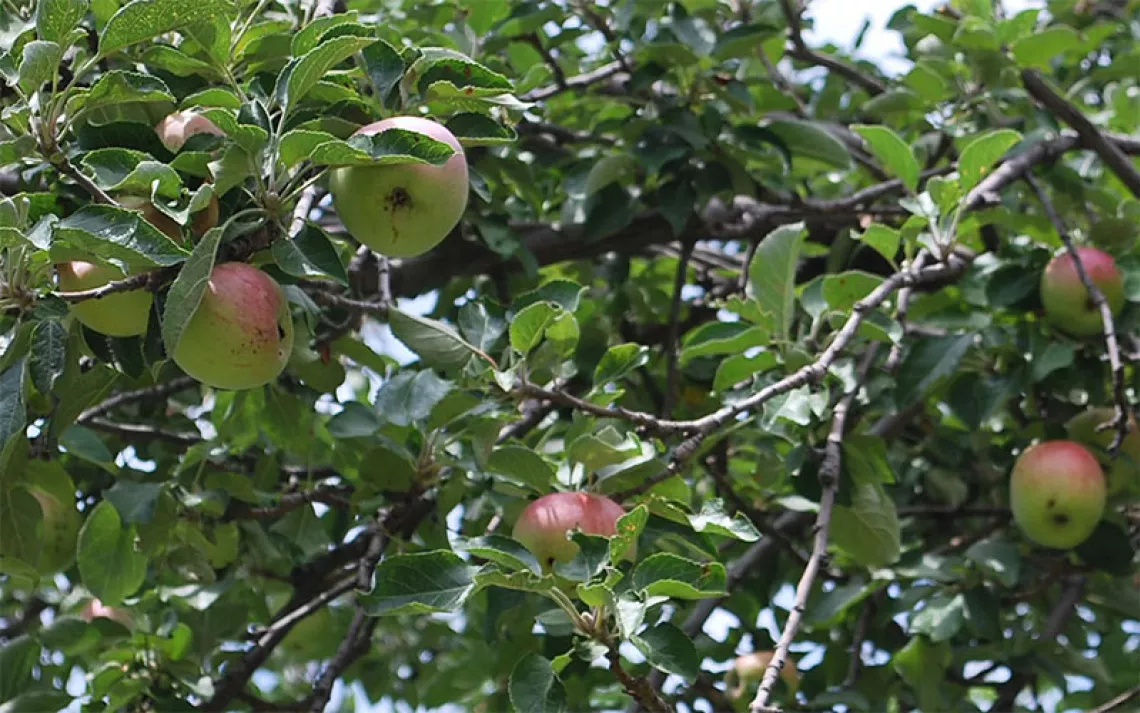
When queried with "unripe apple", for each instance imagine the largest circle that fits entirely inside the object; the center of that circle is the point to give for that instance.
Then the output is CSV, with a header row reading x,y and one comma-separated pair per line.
x,y
1122,471
545,525
242,334
750,668
1068,306
402,210
120,314
61,523
176,128
95,609
1057,493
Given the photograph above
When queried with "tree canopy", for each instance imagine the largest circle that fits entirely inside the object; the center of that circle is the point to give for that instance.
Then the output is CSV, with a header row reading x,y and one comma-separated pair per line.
x,y
785,307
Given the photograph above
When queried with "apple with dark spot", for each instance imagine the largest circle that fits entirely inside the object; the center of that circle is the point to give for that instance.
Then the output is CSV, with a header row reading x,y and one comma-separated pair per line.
x,y
1068,304
241,335
1057,493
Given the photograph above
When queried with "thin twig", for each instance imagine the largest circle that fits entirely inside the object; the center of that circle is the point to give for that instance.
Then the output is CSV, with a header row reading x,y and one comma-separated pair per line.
x,y
579,81
1115,703
149,393
551,61
144,431
895,356
1120,398
798,49
331,495
638,688
829,480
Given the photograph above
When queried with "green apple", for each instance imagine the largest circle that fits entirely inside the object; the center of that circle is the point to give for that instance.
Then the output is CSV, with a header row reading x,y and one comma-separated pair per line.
x,y
121,314
241,335
1057,493
1123,471
750,668
545,525
402,210
1068,306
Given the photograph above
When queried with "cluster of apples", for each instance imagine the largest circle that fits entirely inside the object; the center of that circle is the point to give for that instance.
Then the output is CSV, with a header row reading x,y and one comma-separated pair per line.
x,y
1058,489
241,336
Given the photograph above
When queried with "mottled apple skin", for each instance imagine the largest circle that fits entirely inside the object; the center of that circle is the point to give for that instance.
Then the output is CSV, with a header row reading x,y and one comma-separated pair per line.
x,y
121,314
242,334
1068,306
1057,493
1123,472
176,128
545,524
402,210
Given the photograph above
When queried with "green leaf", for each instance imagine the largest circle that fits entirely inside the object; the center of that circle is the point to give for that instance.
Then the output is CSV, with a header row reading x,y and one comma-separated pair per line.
x,y
186,293
49,353
868,530
929,362
534,688
21,524
474,129
12,410
521,465
1054,357
843,290
503,551
108,563
314,65
18,659
806,139
998,558
410,396
39,64
626,531
941,618
772,276
715,338
436,343
714,518
530,324
134,172
894,153
297,145
384,67
311,34
619,361
55,19
83,389
865,460
119,236
444,73
979,156
389,147
604,448
884,239
420,583
609,169
665,574
43,700
923,666
135,502
169,59
309,254
1037,49
140,20
667,648
302,527
120,87
738,368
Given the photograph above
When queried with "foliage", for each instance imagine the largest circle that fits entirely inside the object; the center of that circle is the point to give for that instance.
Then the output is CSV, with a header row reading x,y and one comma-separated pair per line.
x,y
780,304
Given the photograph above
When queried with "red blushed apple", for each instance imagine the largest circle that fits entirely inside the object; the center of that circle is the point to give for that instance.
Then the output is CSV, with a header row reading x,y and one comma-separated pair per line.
x,y
1068,306
176,128
402,210
545,525
1057,493
242,334
121,314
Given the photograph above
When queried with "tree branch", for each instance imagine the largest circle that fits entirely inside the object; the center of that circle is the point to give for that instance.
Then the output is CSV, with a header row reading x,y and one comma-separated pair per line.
x,y
1090,135
1120,398
149,393
829,480
1118,701
672,345
798,49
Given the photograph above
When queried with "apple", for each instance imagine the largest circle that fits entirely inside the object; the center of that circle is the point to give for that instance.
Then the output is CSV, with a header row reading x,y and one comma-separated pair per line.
x,y
120,314
544,526
241,336
1057,493
61,523
176,128
95,609
200,222
1122,471
1068,306
402,210
750,668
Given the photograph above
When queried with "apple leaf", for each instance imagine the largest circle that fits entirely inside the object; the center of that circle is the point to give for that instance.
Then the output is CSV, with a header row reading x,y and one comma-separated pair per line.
x,y
665,574
420,583
474,129
55,19
140,20
110,566
534,687
119,236
304,73
668,649
48,355
186,292
894,153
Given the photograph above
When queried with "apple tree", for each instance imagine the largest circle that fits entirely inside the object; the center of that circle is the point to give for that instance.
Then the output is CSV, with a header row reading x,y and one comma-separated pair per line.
x,y
549,355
